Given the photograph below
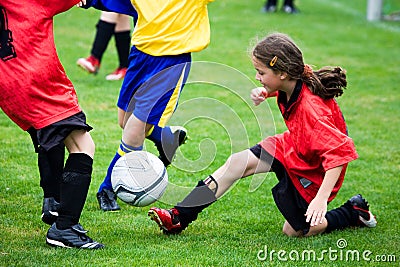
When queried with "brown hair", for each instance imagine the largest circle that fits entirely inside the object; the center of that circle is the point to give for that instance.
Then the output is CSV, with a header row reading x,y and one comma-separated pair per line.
x,y
280,53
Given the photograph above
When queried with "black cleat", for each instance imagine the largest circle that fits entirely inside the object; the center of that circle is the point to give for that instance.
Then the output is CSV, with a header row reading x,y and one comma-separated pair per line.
x,y
107,200
50,210
366,218
74,237
269,8
167,151
290,9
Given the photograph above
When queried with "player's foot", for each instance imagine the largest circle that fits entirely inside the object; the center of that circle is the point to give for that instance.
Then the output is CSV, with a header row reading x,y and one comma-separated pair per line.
x,y
290,9
118,74
50,210
73,237
90,64
366,218
269,8
107,200
167,220
167,151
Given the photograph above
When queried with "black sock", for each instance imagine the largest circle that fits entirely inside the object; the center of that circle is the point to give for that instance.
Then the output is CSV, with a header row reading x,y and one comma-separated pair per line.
x,y
288,3
342,217
123,44
195,202
104,32
51,164
74,188
270,3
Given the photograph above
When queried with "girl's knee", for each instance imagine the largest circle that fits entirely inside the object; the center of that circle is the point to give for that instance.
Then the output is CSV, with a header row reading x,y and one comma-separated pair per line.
x,y
288,230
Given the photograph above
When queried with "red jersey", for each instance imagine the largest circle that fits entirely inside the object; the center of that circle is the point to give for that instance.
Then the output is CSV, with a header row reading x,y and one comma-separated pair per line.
x,y
34,88
316,141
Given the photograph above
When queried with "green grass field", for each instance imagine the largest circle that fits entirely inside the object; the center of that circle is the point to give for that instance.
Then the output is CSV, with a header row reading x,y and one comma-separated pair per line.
x,y
244,227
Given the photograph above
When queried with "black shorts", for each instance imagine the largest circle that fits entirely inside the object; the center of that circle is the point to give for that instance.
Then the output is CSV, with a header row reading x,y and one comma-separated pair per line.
x,y
288,200
54,134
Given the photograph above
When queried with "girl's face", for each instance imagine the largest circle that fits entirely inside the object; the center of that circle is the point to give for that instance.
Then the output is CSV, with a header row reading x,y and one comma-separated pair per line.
x,y
270,80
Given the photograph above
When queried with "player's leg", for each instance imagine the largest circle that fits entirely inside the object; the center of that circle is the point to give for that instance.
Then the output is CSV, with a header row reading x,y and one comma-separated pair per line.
x,y
132,140
207,191
288,230
76,178
104,31
270,6
165,87
354,213
167,140
122,37
51,164
288,7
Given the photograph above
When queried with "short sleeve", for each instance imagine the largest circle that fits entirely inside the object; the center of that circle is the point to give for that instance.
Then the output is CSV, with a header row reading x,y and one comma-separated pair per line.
x,y
331,145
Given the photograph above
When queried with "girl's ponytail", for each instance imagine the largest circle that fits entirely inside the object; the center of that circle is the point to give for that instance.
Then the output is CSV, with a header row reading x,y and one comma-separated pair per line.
x,y
328,82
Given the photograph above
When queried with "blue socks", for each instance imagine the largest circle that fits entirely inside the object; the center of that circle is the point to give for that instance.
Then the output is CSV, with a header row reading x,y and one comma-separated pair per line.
x,y
122,150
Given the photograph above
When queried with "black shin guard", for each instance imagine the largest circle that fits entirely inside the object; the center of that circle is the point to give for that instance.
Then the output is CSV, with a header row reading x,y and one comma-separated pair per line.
x,y
342,217
74,188
51,164
123,44
198,199
105,31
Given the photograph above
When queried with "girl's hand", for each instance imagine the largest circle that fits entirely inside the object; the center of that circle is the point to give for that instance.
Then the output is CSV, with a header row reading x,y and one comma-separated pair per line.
x,y
258,95
316,211
81,3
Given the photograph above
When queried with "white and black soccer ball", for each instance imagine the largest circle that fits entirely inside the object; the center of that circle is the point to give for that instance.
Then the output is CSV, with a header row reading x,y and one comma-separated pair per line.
x,y
139,178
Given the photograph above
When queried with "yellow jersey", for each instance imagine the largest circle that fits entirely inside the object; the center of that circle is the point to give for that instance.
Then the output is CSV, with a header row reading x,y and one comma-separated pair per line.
x,y
171,27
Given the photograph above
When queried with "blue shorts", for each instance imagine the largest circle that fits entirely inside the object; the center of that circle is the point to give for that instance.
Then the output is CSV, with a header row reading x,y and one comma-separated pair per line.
x,y
152,85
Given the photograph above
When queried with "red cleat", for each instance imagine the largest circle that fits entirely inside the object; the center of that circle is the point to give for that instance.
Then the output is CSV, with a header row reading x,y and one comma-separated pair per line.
x,y
167,220
90,64
118,74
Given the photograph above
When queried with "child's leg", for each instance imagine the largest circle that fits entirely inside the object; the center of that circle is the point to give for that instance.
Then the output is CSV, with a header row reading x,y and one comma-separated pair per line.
x,y
132,140
355,212
104,31
76,178
314,230
122,37
167,140
51,165
237,166
206,192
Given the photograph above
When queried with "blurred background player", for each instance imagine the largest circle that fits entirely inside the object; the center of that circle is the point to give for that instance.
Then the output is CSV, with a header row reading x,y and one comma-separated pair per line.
x,y
164,36
43,101
110,24
287,7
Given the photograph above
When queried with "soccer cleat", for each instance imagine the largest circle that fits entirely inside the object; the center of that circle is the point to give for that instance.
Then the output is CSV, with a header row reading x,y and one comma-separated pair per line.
x,y
50,210
90,64
73,237
269,8
118,74
167,150
107,200
167,220
366,218
290,9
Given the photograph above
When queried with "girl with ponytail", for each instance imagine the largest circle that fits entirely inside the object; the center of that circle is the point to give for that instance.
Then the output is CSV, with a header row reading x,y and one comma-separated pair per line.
x,y
309,159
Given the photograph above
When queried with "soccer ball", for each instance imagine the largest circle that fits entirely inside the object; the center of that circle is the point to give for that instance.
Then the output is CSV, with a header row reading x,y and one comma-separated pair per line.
x,y
139,178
